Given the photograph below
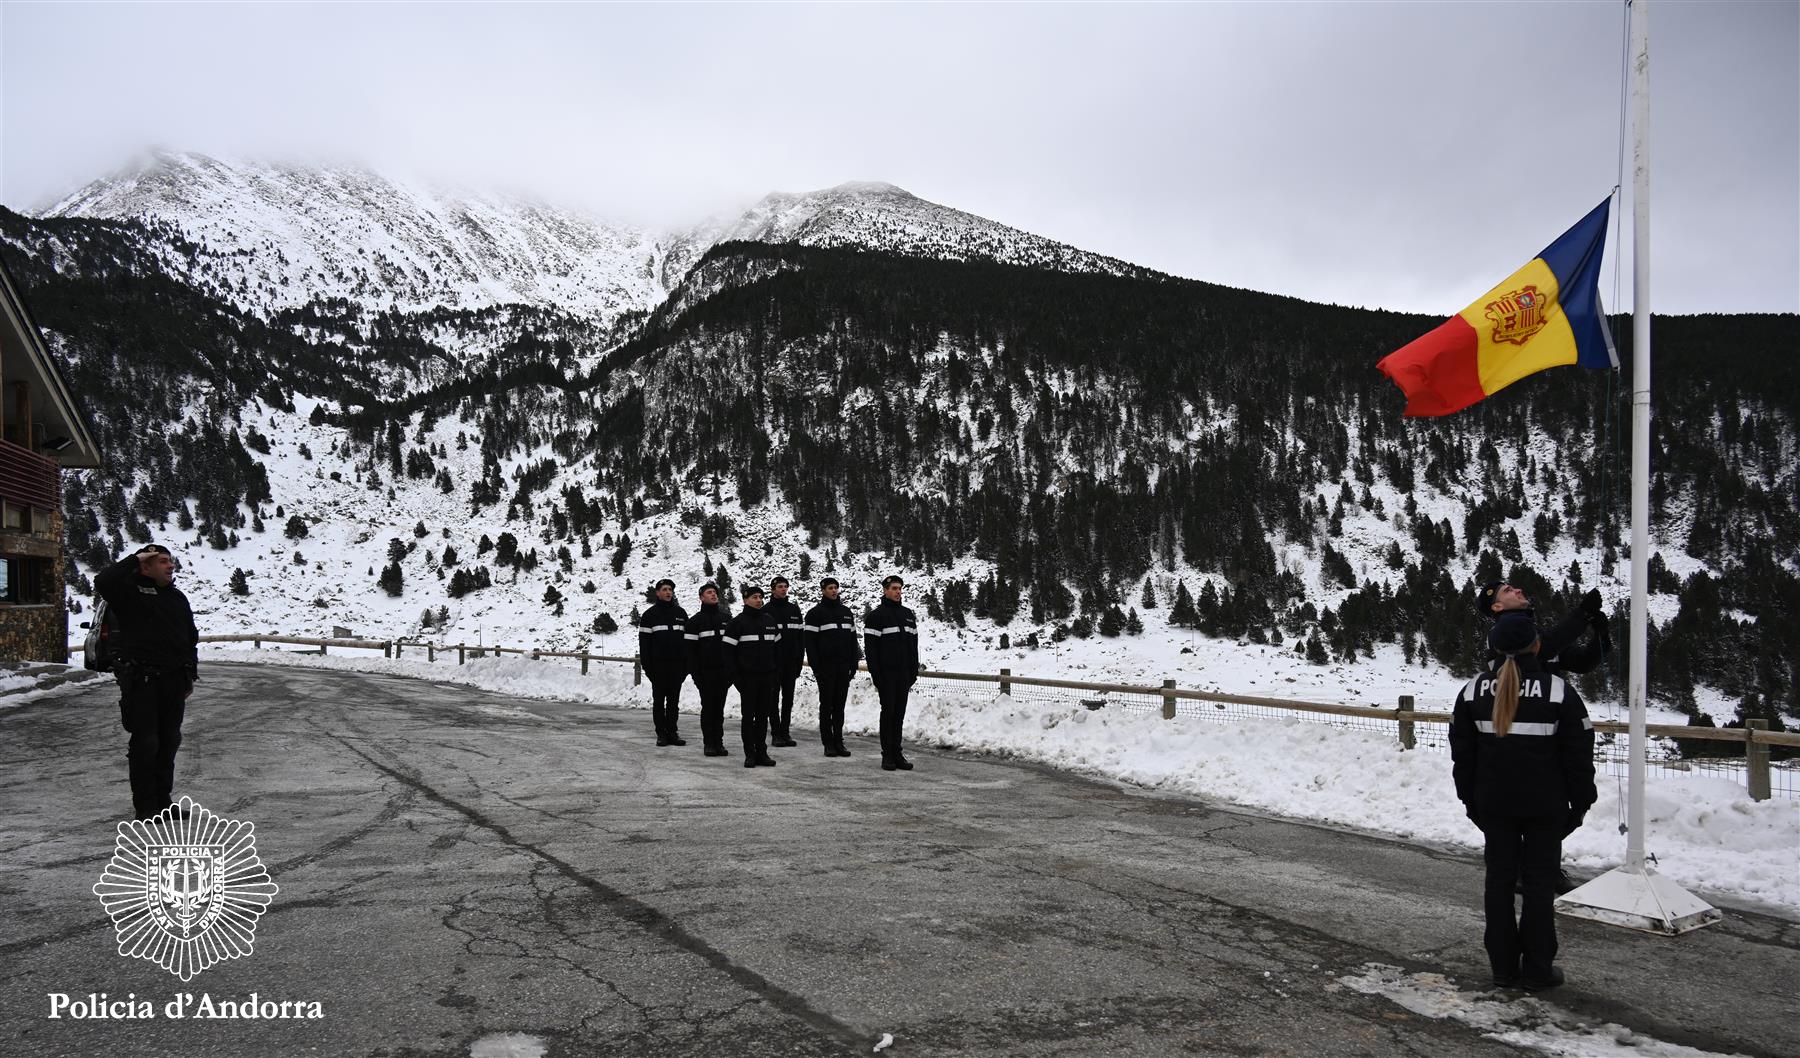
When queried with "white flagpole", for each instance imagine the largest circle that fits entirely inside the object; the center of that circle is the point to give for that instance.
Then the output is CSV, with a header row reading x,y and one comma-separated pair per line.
x,y
1634,895
1636,679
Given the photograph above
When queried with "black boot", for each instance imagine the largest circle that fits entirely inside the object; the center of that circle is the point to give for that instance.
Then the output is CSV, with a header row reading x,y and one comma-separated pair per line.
x,y
674,741
717,751
765,761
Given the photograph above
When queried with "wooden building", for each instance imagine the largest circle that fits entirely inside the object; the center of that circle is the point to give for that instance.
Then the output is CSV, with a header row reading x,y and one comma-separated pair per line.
x,y
42,430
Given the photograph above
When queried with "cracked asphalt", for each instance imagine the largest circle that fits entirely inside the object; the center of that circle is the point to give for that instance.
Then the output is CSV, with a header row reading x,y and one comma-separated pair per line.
x,y
455,864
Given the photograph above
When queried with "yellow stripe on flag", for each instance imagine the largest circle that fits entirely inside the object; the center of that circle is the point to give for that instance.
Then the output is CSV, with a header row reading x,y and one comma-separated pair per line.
x,y
1520,327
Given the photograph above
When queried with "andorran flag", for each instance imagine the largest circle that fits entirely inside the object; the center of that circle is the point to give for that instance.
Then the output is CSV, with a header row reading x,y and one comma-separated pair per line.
x,y
1546,314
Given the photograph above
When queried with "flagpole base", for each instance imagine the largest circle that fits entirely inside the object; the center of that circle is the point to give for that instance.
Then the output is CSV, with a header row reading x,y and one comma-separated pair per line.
x,y
1638,899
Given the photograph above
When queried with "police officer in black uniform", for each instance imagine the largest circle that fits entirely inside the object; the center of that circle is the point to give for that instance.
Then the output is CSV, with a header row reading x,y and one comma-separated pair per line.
x,y
704,636
1522,752
891,637
156,660
787,616
662,649
752,655
1563,649
833,651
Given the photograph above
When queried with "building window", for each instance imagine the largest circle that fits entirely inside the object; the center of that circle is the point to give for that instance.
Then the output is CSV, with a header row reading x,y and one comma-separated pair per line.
x,y
27,580
12,515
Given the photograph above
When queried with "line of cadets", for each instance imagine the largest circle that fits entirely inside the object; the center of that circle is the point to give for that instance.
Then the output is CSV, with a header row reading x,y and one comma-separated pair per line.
x,y
761,650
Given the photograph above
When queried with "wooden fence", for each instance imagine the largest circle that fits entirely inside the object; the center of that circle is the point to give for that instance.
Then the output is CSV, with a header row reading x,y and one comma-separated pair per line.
x,y
1756,738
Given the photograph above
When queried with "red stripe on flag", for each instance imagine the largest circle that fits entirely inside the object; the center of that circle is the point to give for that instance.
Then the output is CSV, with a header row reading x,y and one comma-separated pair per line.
x,y
1440,371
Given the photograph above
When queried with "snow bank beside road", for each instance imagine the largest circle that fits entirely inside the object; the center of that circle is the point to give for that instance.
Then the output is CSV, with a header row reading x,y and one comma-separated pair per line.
x,y
1705,833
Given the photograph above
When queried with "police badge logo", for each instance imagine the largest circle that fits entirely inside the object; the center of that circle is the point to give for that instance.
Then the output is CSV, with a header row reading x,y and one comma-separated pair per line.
x,y
1517,315
185,893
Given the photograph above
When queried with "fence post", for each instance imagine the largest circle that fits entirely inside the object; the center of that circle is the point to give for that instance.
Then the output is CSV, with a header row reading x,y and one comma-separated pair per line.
x,y
534,654
256,644
637,669
1168,700
322,646
1756,754
430,652
1406,723
1005,684
584,660
460,653
387,649
398,648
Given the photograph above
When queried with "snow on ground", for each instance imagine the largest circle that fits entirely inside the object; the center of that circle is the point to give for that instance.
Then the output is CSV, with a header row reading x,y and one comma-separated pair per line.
x,y
1523,1022
1706,834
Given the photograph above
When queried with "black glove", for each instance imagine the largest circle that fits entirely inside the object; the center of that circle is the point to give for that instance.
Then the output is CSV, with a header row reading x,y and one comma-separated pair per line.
x,y
1592,606
1574,820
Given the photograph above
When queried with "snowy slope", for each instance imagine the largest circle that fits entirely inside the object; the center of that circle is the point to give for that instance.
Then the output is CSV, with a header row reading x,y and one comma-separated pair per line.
x,y
884,217
270,237
281,236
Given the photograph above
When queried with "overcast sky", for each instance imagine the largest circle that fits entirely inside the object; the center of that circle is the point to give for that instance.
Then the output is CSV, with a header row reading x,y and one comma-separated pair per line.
x,y
1398,155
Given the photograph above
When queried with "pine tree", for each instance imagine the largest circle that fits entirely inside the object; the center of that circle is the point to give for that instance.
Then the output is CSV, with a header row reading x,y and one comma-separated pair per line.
x,y
605,625
392,580
296,528
240,582
1134,625
1148,600
1183,614
552,597
621,555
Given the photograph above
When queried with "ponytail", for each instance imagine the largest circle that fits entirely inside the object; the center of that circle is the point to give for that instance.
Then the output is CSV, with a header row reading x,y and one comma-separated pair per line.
x,y
1506,697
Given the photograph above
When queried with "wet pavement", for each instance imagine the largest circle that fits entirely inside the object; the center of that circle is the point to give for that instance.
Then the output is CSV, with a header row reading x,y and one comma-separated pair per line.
x,y
461,870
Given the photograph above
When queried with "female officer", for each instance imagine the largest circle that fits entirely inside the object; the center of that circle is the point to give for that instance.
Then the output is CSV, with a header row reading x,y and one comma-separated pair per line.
x,y
1522,749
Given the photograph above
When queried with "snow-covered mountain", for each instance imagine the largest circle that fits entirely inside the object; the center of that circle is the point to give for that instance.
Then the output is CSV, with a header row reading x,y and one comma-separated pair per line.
x,y
268,237
276,236
883,217
1067,448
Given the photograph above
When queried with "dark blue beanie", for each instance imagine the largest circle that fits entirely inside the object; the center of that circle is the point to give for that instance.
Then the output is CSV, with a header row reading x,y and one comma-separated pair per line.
x,y
1513,633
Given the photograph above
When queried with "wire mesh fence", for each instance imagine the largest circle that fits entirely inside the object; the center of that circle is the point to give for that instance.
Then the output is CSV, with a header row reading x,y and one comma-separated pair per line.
x,y
1664,757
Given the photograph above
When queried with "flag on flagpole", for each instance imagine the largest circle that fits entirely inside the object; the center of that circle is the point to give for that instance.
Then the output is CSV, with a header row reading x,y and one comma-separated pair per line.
x,y
1547,314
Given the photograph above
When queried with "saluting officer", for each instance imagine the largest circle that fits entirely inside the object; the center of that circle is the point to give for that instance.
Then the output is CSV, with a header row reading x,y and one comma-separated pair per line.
x,y
663,652
752,646
787,617
1522,752
704,635
833,651
1563,649
891,634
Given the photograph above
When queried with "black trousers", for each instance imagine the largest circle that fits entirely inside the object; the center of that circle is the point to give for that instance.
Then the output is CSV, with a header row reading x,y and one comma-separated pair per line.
x,y
834,687
152,707
1527,849
783,712
665,704
756,696
893,716
712,710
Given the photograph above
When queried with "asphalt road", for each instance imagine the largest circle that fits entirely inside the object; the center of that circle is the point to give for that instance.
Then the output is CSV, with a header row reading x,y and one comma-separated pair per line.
x,y
455,866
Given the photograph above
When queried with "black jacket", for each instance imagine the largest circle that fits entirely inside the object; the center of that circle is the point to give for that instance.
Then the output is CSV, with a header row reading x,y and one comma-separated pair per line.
x,y
661,639
891,640
831,643
786,613
1563,649
1543,767
752,645
156,625
704,635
